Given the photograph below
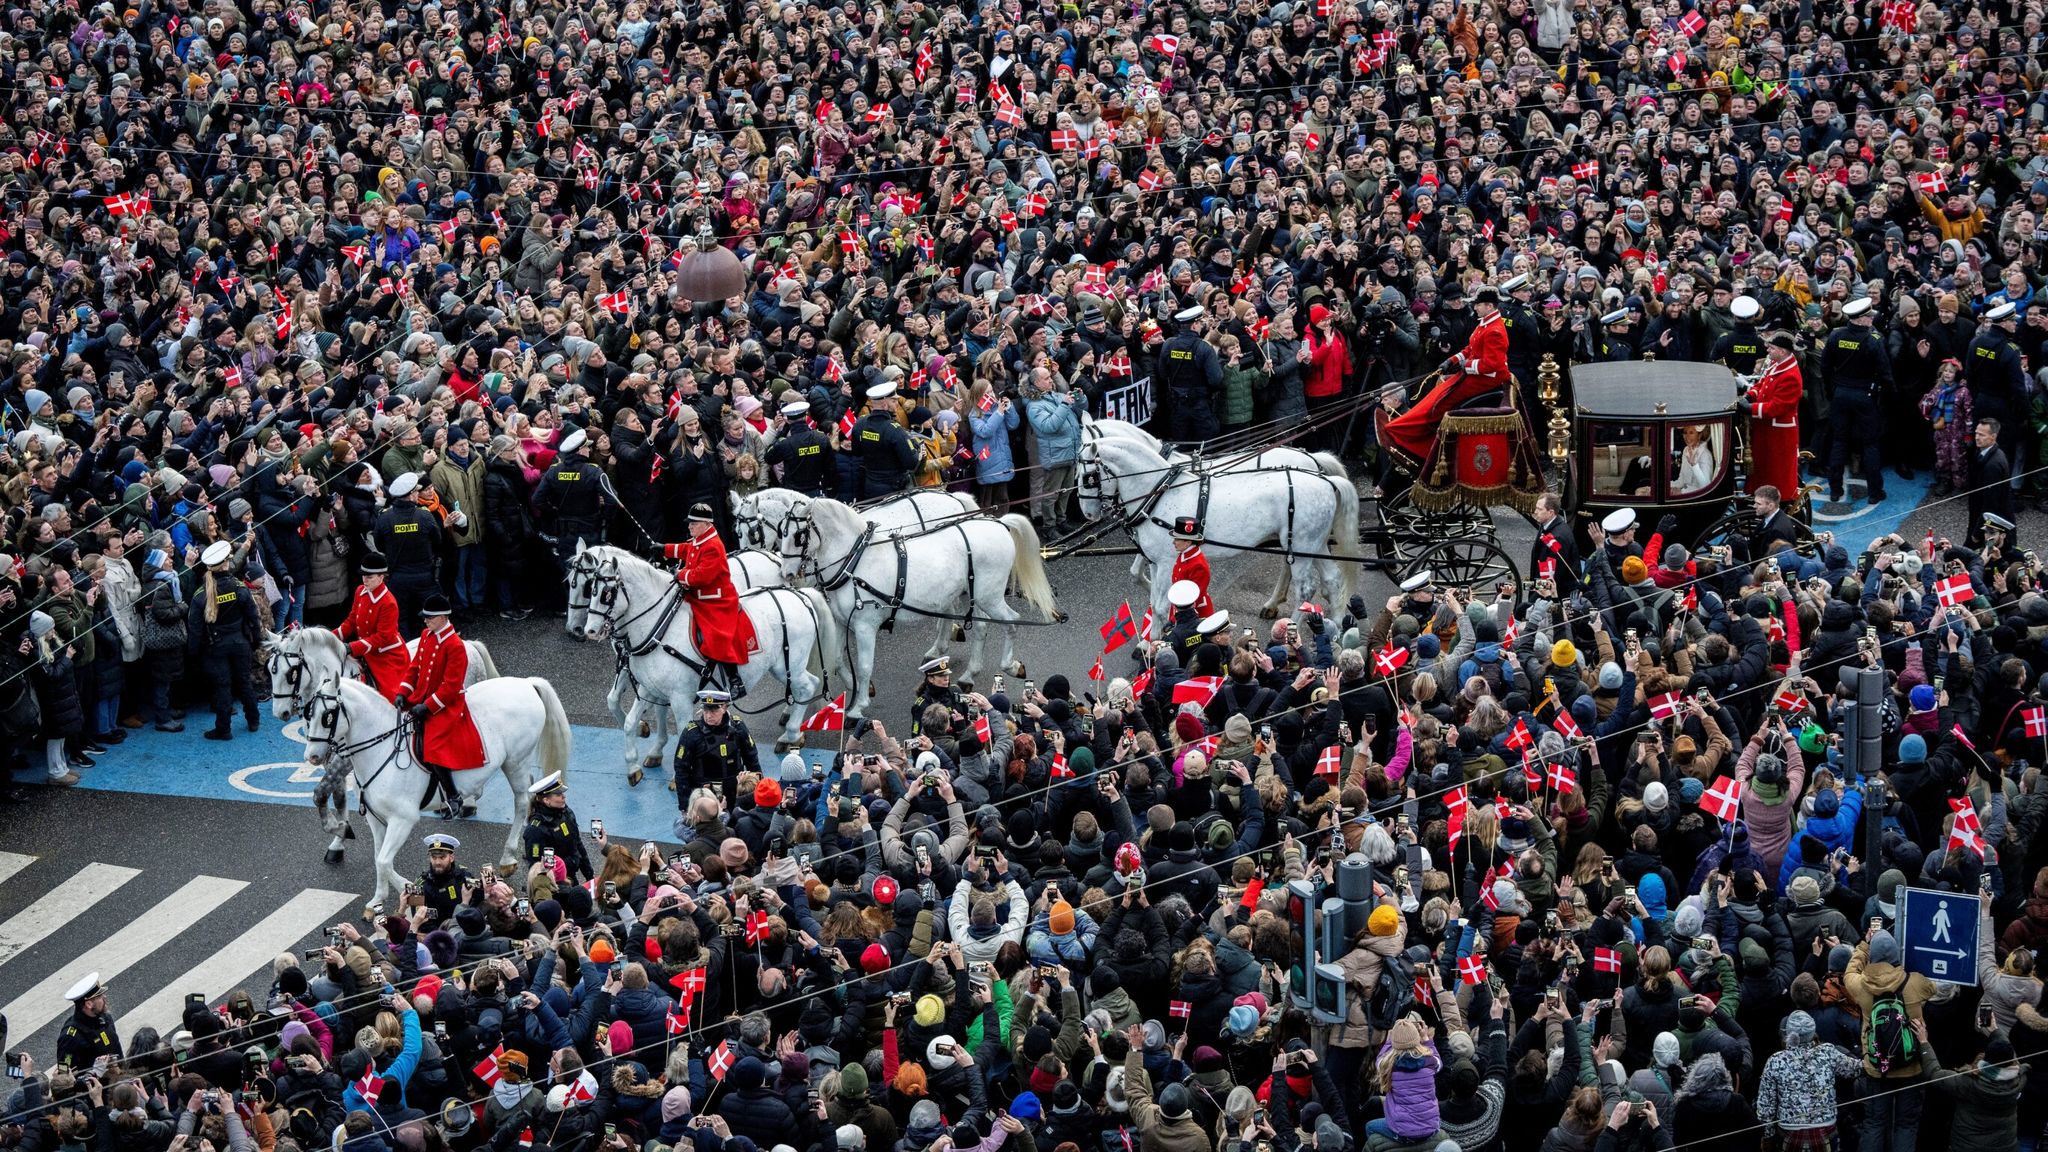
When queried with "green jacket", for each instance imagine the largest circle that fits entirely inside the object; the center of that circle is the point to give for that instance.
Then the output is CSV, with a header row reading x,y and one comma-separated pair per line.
x,y
462,486
74,624
1241,389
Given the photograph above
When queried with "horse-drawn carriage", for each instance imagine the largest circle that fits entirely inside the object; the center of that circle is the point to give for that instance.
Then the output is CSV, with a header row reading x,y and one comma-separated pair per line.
x,y
1660,437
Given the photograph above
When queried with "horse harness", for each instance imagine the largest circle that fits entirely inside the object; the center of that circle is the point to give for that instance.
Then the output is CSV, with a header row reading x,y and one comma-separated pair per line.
x,y
605,590
1091,483
324,708
849,564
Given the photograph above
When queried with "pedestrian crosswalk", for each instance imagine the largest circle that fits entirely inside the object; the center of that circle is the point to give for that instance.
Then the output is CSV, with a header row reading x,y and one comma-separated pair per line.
x,y
152,936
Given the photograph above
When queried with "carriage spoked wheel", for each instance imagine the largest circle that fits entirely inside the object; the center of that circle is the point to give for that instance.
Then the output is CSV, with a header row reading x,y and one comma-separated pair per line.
x,y
1739,525
1408,531
1475,563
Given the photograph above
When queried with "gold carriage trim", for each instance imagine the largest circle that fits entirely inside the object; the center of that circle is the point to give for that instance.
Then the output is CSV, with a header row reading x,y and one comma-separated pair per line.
x,y
1482,459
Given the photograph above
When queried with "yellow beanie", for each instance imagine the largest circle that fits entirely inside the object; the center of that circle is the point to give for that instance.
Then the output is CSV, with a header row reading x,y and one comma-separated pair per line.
x,y
1564,654
930,1011
1383,921
1634,570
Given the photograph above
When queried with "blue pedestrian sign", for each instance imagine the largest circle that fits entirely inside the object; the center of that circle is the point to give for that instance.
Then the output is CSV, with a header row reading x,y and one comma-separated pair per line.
x,y
1938,934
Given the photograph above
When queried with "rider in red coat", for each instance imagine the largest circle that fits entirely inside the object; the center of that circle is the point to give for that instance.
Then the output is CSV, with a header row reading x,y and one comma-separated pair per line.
x,y
724,633
1774,421
1189,564
371,630
1481,368
433,686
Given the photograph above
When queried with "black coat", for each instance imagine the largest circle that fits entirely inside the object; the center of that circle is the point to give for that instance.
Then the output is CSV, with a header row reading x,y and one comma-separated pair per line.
x,y
508,508
57,691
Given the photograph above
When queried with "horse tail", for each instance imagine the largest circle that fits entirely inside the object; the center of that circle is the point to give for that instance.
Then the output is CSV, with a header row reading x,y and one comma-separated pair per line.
x,y
828,655
554,729
1345,530
1029,569
480,661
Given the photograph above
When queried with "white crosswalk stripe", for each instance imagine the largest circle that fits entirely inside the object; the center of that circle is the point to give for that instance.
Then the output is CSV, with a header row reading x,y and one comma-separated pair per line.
x,y
60,906
126,946
12,862
225,970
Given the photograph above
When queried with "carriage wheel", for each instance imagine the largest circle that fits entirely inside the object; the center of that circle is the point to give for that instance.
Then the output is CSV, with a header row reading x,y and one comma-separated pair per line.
x,y
1475,562
1739,526
1408,531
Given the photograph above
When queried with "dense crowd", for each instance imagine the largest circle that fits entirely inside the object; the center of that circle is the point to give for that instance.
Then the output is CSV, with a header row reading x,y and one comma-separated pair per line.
x,y
291,285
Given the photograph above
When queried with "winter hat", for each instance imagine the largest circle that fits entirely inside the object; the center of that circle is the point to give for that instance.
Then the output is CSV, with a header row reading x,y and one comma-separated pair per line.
x,y
602,952
853,1082
930,1010
1912,749
1921,698
874,958
1690,790
1173,1102
850,1136
1610,677
1243,1021
1688,919
1634,571
1564,654
1884,948
621,1035
1188,727
1656,797
794,770
925,1114
1839,957
1256,1001
1799,1028
1754,958
1804,890
1665,1050
1060,919
1826,803
1384,921
938,1055
1428,647
767,794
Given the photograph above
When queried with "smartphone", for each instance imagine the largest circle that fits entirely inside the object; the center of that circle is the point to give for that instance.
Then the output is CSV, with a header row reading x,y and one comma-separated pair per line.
x,y
547,858
1984,882
1984,1021
14,1065
597,828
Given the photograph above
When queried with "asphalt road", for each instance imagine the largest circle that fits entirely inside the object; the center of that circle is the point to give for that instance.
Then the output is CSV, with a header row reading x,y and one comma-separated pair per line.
x,y
182,865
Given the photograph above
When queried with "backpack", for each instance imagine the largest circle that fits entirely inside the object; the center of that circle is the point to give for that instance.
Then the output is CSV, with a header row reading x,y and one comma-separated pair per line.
x,y
1393,991
1888,1040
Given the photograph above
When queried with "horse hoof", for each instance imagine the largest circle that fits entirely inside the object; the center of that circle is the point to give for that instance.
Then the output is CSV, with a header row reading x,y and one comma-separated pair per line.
x,y
334,855
348,832
1017,669
959,634
634,777
783,747
1059,616
1269,613
651,762
646,730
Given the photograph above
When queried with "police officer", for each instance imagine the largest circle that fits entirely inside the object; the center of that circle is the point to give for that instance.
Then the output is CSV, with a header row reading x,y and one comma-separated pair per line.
x,y
1183,614
1524,352
1997,379
1743,346
801,458
887,456
572,499
1187,377
440,886
1859,370
936,688
1614,342
409,536
89,1034
714,748
221,627
1211,650
551,825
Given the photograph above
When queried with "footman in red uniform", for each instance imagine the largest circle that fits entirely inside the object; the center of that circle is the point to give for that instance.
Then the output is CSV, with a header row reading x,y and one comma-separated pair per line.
x,y
724,634
1481,368
1774,420
432,689
371,630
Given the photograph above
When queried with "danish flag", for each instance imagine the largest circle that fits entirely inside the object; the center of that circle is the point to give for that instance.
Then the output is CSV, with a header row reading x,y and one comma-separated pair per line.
x,y
846,423
356,253
1531,774
1901,14
923,66
678,1020
1094,670
231,376
1389,660
488,1070
1059,770
619,302
1331,762
1724,799
581,1092
282,321
1197,689
1065,140
1179,1008
1120,629
757,926
370,1087
1562,777
720,1061
127,205
1009,114
1606,960
1965,831
1788,700
1586,170
830,718
1518,736
1150,179
1692,24
1455,806
688,983
1666,706
1955,590
448,231
1471,970
981,730
2036,719
1145,625
1567,727
1963,737
1117,364
1035,204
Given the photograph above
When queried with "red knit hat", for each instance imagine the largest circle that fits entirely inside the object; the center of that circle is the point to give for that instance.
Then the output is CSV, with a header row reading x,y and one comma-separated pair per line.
x,y
767,794
874,958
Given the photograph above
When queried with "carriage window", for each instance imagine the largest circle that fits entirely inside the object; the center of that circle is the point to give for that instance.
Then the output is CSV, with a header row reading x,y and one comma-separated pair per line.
x,y
1698,455
1622,459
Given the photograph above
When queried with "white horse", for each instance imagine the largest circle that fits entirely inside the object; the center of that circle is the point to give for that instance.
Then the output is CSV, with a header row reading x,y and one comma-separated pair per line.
x,y
644,608
867,575
1243,504
519,719
764,518
1244,459
640,717
297,660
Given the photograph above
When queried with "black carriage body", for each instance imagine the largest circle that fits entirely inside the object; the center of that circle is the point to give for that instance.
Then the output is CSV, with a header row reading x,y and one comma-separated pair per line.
x,y
1659,437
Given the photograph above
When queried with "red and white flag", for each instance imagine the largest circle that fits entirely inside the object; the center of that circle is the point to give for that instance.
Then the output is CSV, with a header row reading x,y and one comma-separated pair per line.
x,y
720,1061
830,718
1518,736
1389,660
1789,700
370,1087
1197,690
620,302
1060,770
1065,140
1586,170
1562,777
1567,727
231,376
1955,590
1471,970
1692,24
1606,960
1666,706
1724,798
1331,762
1179,1009
981,730
488,1070
1965,830
757,926
2036,720
1930,183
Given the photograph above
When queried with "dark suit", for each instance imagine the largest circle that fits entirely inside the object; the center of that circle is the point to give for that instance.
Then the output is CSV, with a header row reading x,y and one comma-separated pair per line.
x,y
1779,530
1990,491
1565,554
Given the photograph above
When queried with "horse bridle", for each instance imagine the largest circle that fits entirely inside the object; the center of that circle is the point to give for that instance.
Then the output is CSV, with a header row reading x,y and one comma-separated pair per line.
x,y
295,667
323,708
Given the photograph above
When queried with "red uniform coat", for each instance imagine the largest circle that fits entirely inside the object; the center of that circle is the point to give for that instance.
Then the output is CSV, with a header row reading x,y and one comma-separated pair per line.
x,y
1774,429
435,680
371,632
724,633
1189,564
1481,368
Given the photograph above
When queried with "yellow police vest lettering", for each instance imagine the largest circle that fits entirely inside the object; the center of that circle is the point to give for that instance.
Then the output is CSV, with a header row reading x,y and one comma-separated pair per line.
x,y
1746,349
569,476
226,598
871,435
1987,353
1851,345
721,750
808,450
405,527
1182,354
